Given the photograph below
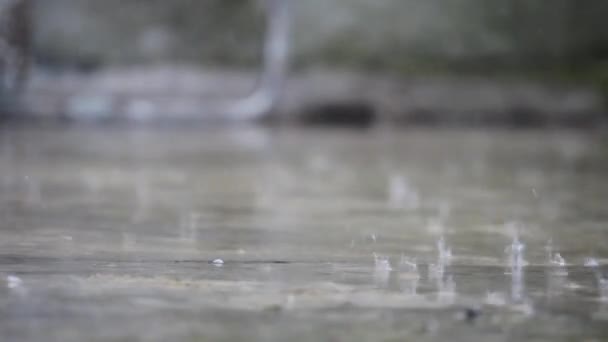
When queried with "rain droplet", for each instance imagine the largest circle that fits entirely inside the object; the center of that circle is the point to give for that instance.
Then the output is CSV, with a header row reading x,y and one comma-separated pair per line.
x,y
13,282
591,262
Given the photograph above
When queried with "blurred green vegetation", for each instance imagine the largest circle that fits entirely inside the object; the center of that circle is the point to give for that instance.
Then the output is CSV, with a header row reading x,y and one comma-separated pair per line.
x,y
554,40
214,32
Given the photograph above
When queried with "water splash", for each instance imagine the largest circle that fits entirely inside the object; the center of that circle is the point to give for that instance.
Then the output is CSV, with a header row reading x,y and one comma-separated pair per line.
x,y
591,262
558,260
409,276
602,282
382,270
13,282
444,258
382,263
555,260
603,288
444,252
15,285
515,254
409,266
515,257
446,288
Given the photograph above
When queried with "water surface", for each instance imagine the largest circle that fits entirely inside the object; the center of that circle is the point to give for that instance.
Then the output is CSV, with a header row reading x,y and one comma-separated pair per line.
x,y
112,234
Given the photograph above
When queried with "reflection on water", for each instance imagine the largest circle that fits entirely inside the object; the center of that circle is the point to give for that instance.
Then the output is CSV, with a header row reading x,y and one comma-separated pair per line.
x,y
248,234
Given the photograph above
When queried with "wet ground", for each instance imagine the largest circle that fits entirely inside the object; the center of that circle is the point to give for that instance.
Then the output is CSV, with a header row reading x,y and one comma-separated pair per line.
x,y
122,234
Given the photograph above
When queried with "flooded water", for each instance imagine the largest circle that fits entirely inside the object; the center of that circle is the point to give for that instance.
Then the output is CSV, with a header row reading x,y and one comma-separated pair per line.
x,y
122,234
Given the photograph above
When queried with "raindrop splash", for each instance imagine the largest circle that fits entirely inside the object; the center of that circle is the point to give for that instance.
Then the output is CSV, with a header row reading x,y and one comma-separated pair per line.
x,y
591,262
13,282
603,288
408,265
555,260
444,252
382,263
409,276
382,270
558,260
516,262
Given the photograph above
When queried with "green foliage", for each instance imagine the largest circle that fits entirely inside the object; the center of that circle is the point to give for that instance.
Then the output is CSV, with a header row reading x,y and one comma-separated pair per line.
x,y
113,31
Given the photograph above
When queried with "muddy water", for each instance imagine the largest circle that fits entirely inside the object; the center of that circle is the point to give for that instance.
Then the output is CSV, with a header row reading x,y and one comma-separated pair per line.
x,y
123,234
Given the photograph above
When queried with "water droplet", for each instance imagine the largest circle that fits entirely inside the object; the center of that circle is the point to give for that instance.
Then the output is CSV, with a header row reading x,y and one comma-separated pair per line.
x,y
408,264
515,255
558,260
382,270
13,282
382,263
591,262
603,288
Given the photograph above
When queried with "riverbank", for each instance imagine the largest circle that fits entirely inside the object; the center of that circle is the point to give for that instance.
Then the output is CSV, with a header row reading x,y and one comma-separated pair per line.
x,y
314,96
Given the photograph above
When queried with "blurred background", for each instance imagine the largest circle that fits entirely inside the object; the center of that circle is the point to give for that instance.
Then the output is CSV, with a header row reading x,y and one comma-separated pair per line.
x,y
511,62
166,173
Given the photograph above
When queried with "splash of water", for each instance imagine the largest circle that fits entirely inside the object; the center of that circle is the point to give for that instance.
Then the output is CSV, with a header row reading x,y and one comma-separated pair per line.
x,y
555,260
591,262
444,252
382,263
409,276
409,266
446,287
444,258
603,288
373,238
558,260
382,270
515,254
13,282
602,282
515,257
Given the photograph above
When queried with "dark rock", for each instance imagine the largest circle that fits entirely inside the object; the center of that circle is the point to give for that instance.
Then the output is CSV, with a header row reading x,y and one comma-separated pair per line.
x,y
357,114
470,314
